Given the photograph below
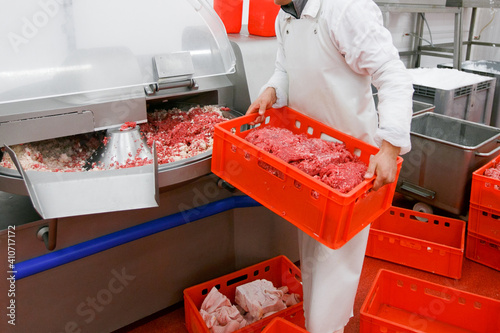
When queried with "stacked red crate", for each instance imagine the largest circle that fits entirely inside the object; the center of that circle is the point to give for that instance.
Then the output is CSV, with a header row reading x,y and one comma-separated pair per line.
x,y
483,231
401,303
424,241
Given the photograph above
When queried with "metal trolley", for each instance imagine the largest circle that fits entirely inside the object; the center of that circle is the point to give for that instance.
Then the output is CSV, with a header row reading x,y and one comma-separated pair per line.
x,y
445,152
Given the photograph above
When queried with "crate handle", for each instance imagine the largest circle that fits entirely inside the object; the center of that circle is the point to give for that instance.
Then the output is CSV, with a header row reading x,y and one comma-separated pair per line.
x,y
411,245
497,149
237,279
438,293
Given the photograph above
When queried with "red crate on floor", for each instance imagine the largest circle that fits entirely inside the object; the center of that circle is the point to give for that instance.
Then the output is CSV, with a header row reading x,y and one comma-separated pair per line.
x,y
400,303
325,214
484,222
485,191
280,325
483,250
280,271
428,242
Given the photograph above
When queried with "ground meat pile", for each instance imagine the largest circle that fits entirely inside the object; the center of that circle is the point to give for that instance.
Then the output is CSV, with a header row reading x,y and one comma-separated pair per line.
x,y
327,161
180,134
493,172
67,154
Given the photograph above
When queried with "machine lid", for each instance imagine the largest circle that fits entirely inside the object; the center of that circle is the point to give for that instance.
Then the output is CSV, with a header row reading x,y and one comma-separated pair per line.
x,y
57,48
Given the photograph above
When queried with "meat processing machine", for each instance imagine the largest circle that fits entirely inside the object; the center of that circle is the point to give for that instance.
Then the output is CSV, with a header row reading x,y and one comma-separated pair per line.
x,y
95,251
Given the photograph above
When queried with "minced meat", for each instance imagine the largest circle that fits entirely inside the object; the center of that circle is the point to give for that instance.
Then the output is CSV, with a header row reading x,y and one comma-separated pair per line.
x,y
327,161
178,135
493,172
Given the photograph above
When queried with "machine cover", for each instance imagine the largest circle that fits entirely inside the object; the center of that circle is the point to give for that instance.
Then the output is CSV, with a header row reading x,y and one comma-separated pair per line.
x,y
54,48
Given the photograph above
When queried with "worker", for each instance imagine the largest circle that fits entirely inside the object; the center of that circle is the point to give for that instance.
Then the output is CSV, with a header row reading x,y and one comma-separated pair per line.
x,y
330,53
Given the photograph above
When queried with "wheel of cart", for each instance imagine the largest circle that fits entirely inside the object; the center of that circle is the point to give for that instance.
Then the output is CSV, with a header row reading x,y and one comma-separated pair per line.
x,y
422,207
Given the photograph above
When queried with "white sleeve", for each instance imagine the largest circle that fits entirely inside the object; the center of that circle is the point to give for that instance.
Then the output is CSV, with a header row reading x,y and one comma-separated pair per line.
x,y
279,79
395,106
368,49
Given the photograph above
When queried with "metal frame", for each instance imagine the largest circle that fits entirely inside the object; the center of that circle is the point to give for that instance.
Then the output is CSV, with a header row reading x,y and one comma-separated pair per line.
x,y
445,50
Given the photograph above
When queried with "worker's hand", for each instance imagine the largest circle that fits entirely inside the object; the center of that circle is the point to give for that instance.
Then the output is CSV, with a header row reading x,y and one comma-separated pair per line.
x,y
262,103
383,165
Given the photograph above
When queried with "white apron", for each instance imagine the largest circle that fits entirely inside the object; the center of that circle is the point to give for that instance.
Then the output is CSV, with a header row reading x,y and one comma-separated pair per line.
x,y
322,86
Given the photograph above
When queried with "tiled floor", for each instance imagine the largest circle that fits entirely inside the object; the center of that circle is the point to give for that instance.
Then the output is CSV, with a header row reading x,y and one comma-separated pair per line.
x,y
476,278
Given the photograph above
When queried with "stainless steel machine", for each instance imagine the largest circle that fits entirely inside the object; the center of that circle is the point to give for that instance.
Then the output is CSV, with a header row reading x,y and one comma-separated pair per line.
x,y
71,67
445,152
87,68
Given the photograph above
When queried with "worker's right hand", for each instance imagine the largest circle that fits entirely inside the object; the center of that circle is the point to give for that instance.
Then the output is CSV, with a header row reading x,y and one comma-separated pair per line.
x,y
265,101
384,165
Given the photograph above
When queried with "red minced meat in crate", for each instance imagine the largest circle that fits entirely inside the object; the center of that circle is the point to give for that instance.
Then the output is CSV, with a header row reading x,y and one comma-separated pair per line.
x,y
330,162
493,172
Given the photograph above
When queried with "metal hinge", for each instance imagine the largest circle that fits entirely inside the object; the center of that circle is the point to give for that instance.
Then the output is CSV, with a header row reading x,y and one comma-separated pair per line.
x,y
172,70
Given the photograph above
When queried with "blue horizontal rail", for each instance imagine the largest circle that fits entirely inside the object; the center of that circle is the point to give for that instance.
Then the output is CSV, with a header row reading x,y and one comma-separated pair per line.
x,y
60,257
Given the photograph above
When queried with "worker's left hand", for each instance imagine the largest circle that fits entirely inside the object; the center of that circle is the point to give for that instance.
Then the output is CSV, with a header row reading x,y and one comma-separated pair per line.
x,y
383,165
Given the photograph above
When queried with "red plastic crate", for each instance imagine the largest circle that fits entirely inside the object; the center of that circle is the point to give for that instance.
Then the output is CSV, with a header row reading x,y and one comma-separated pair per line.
x,y
280,325
484,222
424,241
400,303
325,214
483,250
485,191
279,270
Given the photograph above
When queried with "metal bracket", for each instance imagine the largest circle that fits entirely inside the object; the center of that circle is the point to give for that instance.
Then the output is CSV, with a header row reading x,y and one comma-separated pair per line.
x,y
418,190
172,70
48,234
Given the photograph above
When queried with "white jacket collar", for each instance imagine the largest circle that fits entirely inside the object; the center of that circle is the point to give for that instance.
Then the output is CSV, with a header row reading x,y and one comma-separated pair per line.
x,y
311,9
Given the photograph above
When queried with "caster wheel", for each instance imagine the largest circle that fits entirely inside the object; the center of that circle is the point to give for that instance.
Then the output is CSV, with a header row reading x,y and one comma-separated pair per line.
x,y
422,208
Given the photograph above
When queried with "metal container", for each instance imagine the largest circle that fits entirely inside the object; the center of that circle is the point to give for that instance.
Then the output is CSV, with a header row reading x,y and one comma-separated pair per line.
x,y
455,93
445,152
487,68
421,107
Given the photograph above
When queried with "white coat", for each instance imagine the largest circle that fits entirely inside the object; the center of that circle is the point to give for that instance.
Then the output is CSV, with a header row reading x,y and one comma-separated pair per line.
x,y
326,61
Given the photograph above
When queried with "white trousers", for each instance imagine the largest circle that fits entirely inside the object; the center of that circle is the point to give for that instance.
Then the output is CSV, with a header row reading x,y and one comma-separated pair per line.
x,y
330,281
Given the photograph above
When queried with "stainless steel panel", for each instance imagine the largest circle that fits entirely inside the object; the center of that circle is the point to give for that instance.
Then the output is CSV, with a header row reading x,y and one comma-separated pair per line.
x,y
258,56
36,129
35,120
421,107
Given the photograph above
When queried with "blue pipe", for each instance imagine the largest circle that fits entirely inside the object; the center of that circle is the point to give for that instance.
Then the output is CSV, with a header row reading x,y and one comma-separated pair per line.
x,y
57,258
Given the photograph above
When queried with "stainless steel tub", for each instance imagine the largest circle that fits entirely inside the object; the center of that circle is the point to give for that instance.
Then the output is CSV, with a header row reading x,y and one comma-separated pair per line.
x,y
445,152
